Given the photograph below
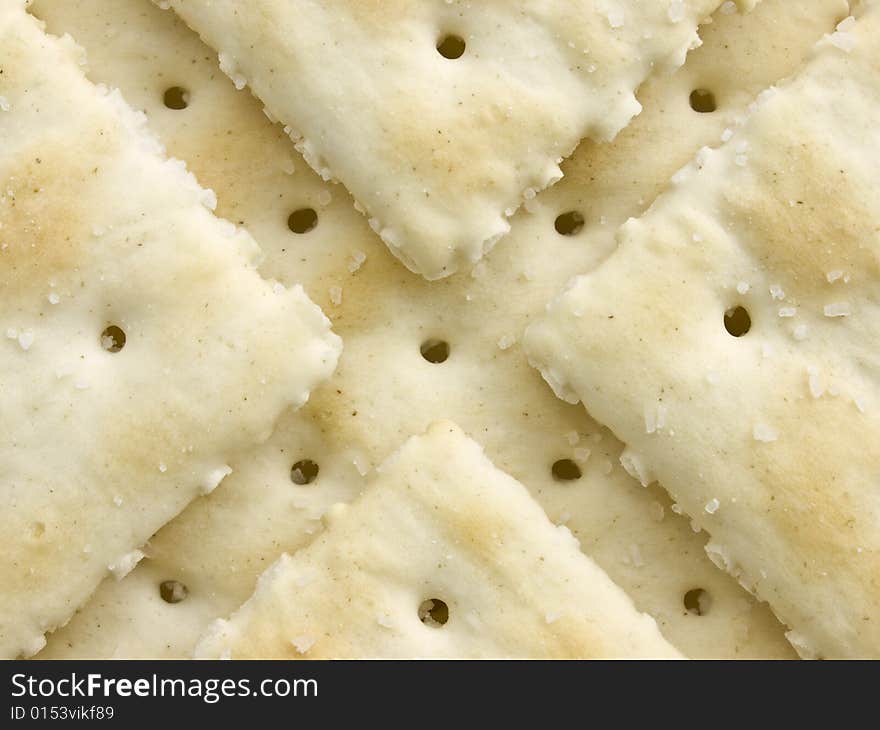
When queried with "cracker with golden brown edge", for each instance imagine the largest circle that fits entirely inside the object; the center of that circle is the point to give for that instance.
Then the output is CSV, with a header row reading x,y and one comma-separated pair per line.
x,y
219,546
442,556
440,151
732,342
119,293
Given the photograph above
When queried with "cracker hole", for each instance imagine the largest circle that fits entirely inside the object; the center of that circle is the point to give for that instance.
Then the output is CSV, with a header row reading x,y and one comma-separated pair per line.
x,y
302,220
703,101
176,97
569,224
737,321
451,46
172,591
113,338
435,351
565,470
434,612
697,601
304,472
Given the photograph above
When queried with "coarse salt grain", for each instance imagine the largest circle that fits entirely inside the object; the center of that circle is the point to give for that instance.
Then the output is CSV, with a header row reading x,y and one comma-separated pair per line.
x,y
764,433
728,7
776,292
842,39
124,565
615,18
357,260
837,309
4,104
25,339
209,199
787,311
635,466
335,293
742,287
833,275
302,643
712,506
53,298
506,342
655,417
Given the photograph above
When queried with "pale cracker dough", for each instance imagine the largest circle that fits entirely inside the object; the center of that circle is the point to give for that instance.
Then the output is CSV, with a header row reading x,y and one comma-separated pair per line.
x,y
100,448
438,522
219,546
440,152
770,440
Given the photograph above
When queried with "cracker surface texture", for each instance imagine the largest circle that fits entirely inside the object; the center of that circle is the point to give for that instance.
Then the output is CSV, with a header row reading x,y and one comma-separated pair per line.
x,y
140,351
439,152
384,390
730,341
438,523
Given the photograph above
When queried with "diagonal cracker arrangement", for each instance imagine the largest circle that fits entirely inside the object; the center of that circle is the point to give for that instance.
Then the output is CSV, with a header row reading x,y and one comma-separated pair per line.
x,y
725,334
